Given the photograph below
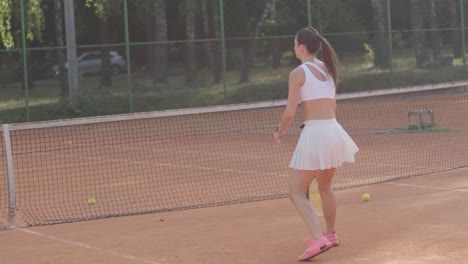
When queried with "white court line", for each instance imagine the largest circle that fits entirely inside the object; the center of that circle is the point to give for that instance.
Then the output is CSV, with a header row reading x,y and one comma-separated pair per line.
x,y
214,168
81,245
427,187
208,152
390,165
192,167
175,165
258,157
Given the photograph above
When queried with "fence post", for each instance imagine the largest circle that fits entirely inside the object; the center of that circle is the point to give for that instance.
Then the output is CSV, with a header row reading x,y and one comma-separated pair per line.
x,y
128,62
11,177
462,25
390,46
223,44
25,59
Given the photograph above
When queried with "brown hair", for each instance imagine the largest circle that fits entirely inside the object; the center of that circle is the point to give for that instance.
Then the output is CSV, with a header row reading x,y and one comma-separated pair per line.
x,y
313,41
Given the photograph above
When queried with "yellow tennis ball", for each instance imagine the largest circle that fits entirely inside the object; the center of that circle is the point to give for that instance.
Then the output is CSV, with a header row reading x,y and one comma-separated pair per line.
x,y
91,201
366,197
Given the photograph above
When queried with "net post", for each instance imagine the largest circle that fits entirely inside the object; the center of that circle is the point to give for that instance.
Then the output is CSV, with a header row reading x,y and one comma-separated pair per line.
x,y
309,13
11,177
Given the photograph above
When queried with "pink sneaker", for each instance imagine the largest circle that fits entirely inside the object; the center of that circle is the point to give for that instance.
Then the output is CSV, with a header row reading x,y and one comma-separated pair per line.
x,y
315,248
333,238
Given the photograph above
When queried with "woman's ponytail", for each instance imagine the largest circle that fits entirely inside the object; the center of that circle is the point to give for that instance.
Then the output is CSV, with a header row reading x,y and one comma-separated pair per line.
x,y
330,59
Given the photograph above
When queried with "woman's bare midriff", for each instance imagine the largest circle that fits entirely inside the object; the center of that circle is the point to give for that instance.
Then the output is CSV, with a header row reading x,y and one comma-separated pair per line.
x,y
319,109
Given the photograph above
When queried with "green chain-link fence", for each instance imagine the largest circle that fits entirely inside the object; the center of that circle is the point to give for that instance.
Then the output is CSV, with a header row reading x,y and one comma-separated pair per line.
x,y
185,53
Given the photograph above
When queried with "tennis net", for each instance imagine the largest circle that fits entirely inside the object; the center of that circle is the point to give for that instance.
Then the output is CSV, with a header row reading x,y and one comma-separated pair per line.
x,y
190,158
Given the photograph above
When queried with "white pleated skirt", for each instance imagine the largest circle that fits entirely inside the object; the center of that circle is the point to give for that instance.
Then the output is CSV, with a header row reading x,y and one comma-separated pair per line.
x,y
323,144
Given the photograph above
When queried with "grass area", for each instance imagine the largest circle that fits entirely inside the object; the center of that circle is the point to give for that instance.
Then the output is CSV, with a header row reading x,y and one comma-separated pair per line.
x,y
45,102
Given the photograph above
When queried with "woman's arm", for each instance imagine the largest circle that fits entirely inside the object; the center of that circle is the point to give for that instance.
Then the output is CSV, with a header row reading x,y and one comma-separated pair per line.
x,y
296,80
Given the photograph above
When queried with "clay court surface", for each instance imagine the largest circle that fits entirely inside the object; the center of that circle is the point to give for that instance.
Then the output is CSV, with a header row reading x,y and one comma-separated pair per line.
x,y
186,161
415,220
165,164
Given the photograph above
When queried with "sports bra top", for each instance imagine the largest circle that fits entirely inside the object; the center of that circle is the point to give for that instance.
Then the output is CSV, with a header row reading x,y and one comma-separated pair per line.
x,y
314,88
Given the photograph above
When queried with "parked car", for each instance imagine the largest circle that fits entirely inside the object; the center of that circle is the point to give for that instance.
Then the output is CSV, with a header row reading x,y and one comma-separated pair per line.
x,y
89,63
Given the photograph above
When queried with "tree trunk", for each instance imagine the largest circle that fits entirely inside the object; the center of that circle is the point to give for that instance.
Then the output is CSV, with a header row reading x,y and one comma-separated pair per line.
x,y
106,75
217,35
381,48
191,60
275,43
456,34
206,31
160,54
60,52
435,35
422,55
253,46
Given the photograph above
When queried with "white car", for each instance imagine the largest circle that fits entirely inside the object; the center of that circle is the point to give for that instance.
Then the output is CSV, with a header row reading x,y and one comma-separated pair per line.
x,y
90,63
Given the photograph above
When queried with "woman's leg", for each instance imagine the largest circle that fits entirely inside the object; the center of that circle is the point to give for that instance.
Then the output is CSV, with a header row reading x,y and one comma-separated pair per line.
x,y
299,182
324,181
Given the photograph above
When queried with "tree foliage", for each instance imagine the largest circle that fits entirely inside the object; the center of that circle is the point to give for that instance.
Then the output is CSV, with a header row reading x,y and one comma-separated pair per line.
x,y
348,24
105,8
10,16
5,23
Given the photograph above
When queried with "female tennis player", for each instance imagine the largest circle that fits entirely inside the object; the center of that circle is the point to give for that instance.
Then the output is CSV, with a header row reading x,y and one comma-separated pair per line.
x,y
323,145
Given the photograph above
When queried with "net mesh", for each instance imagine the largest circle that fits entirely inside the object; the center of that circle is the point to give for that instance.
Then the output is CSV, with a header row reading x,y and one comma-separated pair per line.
x,y
215,156
386,130
3,185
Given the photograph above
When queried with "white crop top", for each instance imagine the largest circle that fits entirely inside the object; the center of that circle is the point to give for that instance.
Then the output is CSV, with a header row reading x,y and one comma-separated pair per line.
x,y
314,88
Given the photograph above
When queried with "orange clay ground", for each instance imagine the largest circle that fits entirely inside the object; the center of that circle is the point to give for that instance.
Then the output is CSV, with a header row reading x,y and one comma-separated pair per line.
x,y
419,220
